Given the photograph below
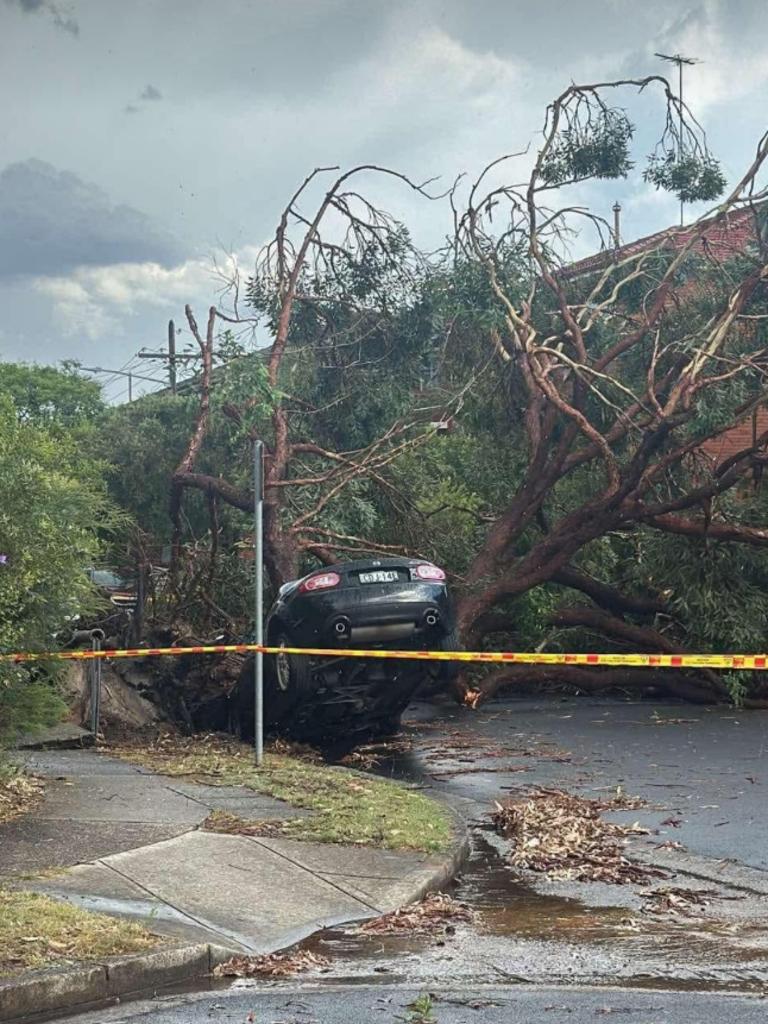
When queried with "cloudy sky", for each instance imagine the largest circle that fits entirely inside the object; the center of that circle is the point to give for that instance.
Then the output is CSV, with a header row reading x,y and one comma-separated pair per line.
x,y
140,140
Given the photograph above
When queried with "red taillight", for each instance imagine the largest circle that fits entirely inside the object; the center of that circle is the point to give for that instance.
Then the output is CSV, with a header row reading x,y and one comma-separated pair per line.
x,y
323,581
429,572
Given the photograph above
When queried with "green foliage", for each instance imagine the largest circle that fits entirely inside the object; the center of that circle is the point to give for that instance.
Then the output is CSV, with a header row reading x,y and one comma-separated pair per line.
x,y
597,147
718,592
422,1010
140,445
27,704
691,177
243,381
50,397
51,517
453,485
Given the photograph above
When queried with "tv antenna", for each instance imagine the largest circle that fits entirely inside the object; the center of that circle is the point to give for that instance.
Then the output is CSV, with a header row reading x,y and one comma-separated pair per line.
x,y
680,61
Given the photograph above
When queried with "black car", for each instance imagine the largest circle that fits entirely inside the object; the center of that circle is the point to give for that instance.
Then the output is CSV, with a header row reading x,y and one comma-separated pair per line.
x,y
396,603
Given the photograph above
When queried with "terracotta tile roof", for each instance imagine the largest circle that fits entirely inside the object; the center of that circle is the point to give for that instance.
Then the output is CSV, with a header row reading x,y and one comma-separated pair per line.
x,y
725,235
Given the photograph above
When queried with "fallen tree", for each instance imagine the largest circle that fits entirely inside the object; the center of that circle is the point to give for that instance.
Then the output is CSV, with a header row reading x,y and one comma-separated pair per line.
x,y
627,367
588,400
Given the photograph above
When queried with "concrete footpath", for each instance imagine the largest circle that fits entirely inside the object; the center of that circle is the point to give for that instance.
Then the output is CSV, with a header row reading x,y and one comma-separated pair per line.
x,y
129,843
113,837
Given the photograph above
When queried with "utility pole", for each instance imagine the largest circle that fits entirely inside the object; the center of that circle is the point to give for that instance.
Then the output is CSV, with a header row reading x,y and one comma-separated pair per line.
x,y
679,60
170,356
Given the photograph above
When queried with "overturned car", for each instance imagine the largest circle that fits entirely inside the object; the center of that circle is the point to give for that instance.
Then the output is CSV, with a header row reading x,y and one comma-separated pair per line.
x,y
333,702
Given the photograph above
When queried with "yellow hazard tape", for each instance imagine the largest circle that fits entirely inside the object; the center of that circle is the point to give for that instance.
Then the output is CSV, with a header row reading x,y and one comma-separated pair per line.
x,y
720,661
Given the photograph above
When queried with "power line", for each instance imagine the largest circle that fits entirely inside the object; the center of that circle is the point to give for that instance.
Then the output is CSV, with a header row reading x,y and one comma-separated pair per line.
x,y
122,373
114,374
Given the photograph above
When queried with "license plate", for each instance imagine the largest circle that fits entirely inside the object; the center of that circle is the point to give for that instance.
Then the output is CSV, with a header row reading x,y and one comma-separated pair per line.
x,y
379,576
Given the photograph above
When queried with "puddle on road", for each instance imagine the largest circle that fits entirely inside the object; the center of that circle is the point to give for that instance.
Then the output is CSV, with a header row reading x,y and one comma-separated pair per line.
x,y
521,935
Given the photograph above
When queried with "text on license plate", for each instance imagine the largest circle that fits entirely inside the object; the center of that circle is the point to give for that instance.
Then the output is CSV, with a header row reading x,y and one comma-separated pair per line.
x,y
379,576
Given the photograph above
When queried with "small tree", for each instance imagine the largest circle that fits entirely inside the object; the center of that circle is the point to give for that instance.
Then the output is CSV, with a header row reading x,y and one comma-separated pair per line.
x,y
51,515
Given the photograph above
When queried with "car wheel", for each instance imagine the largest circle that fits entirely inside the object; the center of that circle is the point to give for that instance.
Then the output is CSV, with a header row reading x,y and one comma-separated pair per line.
x,y
446,671
287,683
286,679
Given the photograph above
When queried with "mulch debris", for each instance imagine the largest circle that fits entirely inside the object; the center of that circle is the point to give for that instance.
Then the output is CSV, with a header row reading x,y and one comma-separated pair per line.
x,y
19,793
670,844
229,824
681,902
565,837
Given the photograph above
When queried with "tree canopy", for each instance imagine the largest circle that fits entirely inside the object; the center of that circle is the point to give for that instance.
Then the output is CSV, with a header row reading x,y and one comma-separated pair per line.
x,y
49,396
571,498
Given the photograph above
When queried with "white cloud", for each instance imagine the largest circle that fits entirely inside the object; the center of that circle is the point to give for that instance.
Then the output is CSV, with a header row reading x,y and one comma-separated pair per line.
x,y
730,68
94,302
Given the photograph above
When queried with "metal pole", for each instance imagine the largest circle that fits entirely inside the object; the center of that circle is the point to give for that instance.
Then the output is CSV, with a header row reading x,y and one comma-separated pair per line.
x,y
130,387
680,78
258,569
97,635
172,356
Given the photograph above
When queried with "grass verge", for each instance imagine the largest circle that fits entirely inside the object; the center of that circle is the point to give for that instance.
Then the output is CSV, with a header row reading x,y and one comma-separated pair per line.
x,y
348,808
37,931
19,792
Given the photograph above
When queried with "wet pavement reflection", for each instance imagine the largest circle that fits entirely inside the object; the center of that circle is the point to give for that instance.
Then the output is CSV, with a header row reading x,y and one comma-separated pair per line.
x,y
524,935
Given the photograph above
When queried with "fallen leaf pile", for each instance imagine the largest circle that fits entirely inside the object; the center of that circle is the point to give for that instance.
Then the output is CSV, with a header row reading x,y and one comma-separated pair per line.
x,y
436,912
273,965
18,793
566,838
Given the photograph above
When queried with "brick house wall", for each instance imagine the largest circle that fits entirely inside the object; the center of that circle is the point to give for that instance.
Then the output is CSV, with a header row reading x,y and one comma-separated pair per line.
x,y
736,440
724,237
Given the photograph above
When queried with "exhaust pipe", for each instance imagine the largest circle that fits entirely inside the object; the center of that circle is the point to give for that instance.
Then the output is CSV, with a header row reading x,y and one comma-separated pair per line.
x,y
341,628
432,617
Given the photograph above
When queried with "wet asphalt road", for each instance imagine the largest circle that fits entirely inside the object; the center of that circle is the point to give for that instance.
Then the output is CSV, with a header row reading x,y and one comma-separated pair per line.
x,y
703,771
481,1006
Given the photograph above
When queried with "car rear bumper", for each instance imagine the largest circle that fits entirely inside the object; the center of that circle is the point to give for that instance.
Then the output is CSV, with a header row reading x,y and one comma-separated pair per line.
x,y
411,615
